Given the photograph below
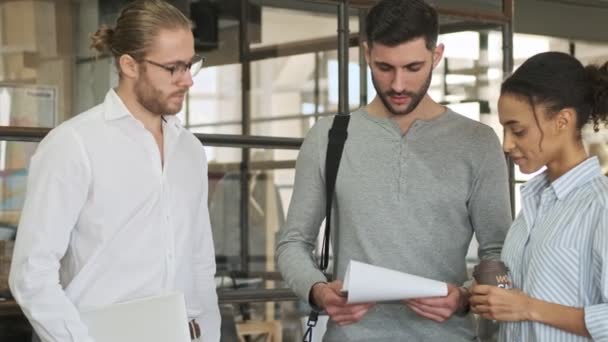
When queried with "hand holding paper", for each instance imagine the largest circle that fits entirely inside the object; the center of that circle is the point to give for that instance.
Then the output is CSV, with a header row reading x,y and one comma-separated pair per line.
x,y
438,309
367,283
329,297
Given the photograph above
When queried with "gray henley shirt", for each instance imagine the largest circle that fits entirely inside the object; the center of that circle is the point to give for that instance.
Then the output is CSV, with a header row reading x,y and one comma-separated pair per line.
x,y
406,202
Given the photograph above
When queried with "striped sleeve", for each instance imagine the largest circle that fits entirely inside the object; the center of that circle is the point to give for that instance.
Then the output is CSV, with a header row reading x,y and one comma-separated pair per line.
x,y
596,316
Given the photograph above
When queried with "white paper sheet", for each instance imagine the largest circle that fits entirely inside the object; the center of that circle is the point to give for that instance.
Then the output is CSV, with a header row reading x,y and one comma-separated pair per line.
x,y
367,283
154,319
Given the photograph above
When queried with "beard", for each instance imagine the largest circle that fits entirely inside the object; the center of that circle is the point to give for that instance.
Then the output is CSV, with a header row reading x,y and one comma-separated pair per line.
x,y
153,99
415,96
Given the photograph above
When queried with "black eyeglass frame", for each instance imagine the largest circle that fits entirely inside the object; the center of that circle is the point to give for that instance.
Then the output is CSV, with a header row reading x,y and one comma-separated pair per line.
x,y
178,65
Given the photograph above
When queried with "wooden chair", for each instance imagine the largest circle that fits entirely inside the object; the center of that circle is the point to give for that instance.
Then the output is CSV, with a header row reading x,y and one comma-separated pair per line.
x,y
272,329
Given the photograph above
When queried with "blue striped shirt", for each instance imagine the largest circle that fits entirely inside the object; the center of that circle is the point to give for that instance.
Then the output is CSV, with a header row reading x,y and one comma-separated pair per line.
x,y
557,251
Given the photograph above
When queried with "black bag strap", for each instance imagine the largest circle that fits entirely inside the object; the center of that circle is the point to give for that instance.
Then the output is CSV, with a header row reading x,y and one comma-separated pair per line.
x,y
335,145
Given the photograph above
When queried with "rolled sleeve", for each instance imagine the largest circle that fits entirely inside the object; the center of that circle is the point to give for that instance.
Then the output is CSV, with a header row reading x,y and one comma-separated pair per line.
x,y
596,320
596,316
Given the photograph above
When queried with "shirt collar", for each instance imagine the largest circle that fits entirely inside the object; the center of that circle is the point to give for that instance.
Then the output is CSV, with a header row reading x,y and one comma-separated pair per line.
x,y
115,108
536,185
172,122
575,178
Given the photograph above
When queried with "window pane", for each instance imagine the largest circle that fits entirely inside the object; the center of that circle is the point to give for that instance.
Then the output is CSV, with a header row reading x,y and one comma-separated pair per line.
x,y
14,165
282,25
280,86
215,98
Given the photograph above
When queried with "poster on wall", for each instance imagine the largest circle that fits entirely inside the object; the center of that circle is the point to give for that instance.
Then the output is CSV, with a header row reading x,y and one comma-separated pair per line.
x,y
22,105
28,105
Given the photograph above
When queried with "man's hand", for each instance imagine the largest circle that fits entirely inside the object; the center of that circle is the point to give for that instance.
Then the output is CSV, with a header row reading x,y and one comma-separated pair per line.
x,y
329,297
439,309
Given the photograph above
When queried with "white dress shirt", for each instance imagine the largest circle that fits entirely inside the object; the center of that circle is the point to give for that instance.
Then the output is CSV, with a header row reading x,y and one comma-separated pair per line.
x,y
105,221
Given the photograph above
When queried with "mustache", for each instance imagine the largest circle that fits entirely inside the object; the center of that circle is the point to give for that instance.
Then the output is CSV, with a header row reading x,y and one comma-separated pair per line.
x,y
401,93
179,93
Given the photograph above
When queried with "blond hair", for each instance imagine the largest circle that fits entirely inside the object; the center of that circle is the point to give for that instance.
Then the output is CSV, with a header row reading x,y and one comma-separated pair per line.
x,y
136,28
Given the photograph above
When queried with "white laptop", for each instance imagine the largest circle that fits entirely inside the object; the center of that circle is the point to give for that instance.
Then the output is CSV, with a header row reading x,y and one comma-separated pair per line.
x,y
153,319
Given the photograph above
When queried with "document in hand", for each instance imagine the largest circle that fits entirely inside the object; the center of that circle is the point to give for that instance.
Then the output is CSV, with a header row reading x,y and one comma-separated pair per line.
x,y
153,319
367,283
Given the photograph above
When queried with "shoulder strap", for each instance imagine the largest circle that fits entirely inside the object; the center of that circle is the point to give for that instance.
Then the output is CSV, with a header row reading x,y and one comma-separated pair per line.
x,y
335,145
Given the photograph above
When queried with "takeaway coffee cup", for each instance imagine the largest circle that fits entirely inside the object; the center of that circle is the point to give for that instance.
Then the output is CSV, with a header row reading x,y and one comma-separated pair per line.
x,y
492,272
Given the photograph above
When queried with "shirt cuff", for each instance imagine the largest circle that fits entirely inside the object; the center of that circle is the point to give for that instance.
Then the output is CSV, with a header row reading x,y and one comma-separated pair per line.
x,y
311,301
596,317
303,285
464,305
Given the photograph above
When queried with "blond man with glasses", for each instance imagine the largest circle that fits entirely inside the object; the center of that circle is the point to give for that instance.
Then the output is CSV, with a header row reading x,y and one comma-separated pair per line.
x,y
116,203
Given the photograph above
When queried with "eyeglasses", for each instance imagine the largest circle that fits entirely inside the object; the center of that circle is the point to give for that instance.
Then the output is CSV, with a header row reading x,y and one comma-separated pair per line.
x,y
179,69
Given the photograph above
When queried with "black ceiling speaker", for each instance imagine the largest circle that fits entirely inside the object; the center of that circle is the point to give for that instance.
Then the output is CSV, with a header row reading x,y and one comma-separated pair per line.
x,y
205,18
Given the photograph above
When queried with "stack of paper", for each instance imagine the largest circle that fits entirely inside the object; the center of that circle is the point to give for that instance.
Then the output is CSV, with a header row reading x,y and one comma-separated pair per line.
x,y
365,283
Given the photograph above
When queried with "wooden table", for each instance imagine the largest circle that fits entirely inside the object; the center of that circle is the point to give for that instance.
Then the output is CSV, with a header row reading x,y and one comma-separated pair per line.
x,y
14,326
9,308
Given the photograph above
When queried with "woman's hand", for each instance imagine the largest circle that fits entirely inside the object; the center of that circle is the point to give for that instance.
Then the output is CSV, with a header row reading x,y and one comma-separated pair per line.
x,y
494,303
